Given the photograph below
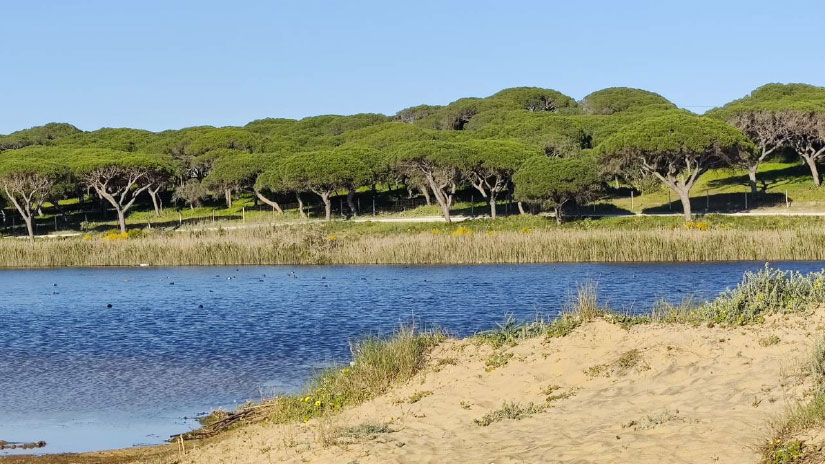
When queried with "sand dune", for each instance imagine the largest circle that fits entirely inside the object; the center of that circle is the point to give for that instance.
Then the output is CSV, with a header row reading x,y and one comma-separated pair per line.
x,y
650,394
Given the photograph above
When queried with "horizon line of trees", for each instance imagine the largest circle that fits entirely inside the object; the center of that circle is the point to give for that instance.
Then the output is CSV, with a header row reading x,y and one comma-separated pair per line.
x,y
537,145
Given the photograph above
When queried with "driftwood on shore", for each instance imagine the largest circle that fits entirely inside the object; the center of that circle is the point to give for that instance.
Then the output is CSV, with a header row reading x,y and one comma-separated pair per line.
x,y
9,445
247,414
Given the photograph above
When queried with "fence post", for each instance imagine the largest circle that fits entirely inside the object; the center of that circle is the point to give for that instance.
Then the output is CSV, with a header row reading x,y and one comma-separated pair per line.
x,y
180,219
472,205
373,206
787,205
631,200
243,214
746,201
707,200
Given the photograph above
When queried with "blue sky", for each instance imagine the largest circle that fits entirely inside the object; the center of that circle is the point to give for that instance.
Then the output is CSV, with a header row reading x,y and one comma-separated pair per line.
x,y
170,64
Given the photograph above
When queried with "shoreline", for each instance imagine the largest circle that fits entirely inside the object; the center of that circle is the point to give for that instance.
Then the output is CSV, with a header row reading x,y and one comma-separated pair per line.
x,y
626,390
659,380
411,265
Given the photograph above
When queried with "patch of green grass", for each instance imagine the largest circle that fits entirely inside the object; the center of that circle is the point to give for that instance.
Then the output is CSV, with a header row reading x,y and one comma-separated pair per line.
x,y
629,360
446,362
784,446
768,341
418,396
365,430
378,364
653,421
766,292
509,411
497,359
780,452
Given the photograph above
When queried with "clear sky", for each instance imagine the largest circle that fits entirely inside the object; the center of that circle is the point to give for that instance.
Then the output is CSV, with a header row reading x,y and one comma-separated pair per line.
x,y
170,64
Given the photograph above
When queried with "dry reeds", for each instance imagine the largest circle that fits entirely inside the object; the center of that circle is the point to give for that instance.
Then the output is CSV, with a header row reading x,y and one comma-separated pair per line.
x,y
309,244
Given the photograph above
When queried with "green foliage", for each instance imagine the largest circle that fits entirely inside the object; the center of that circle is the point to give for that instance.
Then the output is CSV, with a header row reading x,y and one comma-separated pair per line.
x,y
322,172
497,157
776,97
785,452
415,113
536,99
619,99
129,140
664,139
555,135
556,181
385,137
766,292
509,411
237,171
377,364
230,138
676,148
85,161
40,135
439,153
192,193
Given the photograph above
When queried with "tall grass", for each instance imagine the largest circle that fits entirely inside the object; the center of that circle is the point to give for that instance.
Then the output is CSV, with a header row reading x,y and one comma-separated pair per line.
x,y
758,295
377,364
322,244
784,445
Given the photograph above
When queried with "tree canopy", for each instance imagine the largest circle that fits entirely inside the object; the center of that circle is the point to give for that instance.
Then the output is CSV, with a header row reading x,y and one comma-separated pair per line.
x,y
676,149
619,99
780,115
438,150
27,182
557,181
40,135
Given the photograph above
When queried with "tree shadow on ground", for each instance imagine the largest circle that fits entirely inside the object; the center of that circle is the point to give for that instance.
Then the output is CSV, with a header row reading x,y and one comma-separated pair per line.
x,y
765,180
721,202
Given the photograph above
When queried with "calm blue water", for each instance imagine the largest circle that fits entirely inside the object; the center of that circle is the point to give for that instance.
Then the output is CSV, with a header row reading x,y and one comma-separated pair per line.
x,y
82,376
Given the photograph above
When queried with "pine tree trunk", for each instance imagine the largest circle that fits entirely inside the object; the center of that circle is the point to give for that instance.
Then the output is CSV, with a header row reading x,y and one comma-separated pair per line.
x,y
29,227
154,196
814,170
752,179
228,196
300,205
351,202
684,197
427,198
327,207
121,220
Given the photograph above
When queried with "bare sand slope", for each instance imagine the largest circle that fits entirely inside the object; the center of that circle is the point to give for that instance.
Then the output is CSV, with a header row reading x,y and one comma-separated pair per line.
x,y
650,394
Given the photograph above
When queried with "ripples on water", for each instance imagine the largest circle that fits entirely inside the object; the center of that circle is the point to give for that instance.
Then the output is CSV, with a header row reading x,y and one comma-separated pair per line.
x,y
84,376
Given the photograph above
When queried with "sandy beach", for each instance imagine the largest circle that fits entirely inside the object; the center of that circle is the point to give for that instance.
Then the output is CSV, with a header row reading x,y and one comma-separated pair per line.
x,y
649,394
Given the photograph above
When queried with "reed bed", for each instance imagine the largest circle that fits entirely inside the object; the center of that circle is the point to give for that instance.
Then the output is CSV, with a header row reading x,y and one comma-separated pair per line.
x,y
312,244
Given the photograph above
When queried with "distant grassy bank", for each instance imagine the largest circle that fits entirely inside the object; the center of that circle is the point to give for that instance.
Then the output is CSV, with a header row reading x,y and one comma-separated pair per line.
x,y
512,240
